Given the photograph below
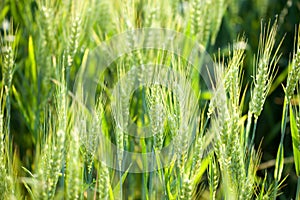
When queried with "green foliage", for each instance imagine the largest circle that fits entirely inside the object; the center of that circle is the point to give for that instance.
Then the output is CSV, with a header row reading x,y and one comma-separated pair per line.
x,y
47,153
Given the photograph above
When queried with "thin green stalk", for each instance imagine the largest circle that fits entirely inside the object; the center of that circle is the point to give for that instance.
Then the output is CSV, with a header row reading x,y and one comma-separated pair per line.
x,y
280,153
197,157
298,189
151,175
120,178
247,132
284,117
253,132
145,178
159,174
2,152
250,143
8,106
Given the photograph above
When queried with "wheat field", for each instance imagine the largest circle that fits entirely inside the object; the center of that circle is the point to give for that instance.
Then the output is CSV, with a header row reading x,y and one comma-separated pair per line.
x,y
149,99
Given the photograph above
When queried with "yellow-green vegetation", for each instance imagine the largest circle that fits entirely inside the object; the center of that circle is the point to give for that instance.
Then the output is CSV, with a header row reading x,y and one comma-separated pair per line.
x,y
233,133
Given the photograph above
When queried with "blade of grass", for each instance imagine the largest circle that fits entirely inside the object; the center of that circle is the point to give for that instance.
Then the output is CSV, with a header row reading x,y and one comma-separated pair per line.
x,y
117,188
296,151
295,140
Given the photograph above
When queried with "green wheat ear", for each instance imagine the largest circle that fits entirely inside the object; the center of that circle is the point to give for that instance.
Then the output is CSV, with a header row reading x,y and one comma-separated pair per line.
x,y
156,114
8,58
213,177
103,182
8,45
185,189
74,167
294,71
265,68
73,40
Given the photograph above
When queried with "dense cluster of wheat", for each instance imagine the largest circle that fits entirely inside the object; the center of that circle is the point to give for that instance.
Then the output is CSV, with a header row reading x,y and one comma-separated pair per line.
x,y
220,162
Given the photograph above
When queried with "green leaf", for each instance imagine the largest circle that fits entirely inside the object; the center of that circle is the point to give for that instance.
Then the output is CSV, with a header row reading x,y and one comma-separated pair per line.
x,y
279,80
117,188
111,193
296,141
4,12
203,168
280,152
284,118
279,162
32,59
